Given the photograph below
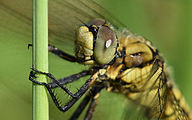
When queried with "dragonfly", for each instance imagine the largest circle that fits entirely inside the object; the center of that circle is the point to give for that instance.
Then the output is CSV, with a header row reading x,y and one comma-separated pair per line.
x,y
156,66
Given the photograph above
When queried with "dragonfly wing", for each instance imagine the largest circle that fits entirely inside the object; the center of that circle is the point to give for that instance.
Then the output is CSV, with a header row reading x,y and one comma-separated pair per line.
x,y
65,16
16,25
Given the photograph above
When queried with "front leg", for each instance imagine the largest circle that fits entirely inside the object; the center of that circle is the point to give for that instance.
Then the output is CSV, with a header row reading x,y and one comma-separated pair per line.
x,y
62,54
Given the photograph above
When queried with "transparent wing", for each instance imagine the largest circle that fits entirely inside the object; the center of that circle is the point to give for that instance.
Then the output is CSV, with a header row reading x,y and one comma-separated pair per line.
x,y
16,26
65,16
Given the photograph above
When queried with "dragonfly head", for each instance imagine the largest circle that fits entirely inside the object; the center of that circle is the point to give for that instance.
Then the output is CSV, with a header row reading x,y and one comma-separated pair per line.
x,y
96,43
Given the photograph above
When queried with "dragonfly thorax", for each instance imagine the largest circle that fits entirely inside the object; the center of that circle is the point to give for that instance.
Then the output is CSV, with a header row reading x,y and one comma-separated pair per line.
x,y
96,43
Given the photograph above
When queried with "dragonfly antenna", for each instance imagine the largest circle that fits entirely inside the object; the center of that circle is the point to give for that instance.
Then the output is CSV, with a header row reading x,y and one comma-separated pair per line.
x,y
82,22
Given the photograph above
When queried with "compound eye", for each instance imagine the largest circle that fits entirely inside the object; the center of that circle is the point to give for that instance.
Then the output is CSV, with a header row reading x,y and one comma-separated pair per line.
x,y
96,22
105,45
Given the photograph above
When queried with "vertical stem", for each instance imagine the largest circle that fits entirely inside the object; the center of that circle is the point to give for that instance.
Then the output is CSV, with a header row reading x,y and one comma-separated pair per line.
x,y
40,58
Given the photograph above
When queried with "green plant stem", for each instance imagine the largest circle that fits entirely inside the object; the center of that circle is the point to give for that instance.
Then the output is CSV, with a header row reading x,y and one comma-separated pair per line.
x,y
40,58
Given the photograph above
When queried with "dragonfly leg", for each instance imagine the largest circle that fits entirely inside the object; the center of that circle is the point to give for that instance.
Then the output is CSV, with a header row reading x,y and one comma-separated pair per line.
x,y
81,107
75,96
92,94
51,77
69,79
62,54
94,102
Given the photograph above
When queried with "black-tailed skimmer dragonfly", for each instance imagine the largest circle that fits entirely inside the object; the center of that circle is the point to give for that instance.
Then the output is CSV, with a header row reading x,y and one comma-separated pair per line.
x,y
119,60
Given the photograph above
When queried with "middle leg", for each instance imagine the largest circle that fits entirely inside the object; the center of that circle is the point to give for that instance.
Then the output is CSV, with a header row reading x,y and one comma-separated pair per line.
x,y
92,95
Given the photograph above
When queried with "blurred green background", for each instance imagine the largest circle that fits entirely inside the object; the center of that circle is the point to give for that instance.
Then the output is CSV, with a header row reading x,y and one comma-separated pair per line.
x,y
166,23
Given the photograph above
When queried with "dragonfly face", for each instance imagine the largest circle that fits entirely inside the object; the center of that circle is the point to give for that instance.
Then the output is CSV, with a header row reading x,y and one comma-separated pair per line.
x,y
96,43
137,71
